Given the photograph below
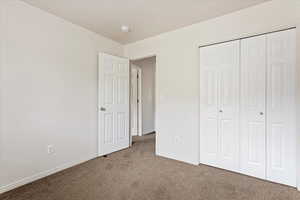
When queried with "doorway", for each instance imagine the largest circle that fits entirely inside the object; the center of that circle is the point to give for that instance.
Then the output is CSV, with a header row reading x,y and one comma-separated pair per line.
x,y
143,96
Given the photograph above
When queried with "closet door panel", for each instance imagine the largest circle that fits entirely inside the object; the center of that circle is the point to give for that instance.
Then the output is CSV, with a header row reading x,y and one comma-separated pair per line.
x,y
209,106
229,105
253,92
281,130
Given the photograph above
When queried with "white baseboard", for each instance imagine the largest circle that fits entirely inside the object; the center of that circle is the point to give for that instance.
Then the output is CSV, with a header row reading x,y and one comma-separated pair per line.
x,y
174,158
134,134
148,132
40,175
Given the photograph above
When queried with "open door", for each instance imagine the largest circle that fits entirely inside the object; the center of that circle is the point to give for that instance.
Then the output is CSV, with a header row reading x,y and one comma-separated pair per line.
x,y
113,104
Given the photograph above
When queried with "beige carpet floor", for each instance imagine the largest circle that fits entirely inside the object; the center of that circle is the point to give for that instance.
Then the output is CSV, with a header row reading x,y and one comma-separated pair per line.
x,y
136,174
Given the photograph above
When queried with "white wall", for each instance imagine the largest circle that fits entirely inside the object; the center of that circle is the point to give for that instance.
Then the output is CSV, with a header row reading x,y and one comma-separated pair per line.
x,y
177,69
148,93
48,92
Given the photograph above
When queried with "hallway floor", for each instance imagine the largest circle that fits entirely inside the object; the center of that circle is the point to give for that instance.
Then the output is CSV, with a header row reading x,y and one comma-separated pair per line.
x,y
137,174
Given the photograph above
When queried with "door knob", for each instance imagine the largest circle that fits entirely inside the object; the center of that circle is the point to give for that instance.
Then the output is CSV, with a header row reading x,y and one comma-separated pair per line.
x,y
221,111
102,109
261,113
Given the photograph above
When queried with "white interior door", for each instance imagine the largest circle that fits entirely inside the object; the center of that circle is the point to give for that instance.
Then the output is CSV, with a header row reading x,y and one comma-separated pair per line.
x,y
281,107
229,105
134,101
253,110
113,103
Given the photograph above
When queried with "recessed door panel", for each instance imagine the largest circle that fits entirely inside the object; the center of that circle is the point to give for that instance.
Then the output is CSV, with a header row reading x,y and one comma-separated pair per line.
x,y
277,146
209,143
121,90
121,119
253,111
108,87
108,127
281,108
227,150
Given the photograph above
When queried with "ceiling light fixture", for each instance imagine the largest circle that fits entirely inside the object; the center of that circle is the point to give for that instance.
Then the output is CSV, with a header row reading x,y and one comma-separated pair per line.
x,y
125,29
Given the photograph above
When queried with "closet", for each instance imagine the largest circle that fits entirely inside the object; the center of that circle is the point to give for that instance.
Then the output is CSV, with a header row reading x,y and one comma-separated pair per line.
x,y
247,106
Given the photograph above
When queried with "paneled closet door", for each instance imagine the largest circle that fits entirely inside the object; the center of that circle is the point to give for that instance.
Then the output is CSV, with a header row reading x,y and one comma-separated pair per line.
x,y
209,79
219,92
253,111
229,105
281,107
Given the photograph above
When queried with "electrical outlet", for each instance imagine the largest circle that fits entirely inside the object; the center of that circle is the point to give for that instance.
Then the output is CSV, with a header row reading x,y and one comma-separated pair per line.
x,y
50,149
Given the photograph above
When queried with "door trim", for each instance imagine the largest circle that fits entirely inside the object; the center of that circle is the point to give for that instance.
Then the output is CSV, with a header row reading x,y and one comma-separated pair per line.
x,y
216,43
156,83
140,102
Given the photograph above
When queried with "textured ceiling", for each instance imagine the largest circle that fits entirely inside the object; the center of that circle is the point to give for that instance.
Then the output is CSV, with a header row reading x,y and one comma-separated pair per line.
x,y
145,18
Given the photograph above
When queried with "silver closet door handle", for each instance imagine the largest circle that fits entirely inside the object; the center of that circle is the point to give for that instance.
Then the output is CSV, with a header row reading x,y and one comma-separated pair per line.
x,y
102,109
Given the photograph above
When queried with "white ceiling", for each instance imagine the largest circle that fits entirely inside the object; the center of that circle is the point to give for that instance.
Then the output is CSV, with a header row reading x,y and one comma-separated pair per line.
x,y
145,18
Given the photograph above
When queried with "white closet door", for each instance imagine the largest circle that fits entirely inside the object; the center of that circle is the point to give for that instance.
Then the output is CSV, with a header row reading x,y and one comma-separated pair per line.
x,y
281,131
219,80
209,105
229,105
253,92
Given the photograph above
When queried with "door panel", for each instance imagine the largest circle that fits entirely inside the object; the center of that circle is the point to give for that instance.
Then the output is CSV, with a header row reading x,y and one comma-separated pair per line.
x,y
208,107
108,128
281,130
229,105
113,104
122,127
253,89
219,105
226,138
209,145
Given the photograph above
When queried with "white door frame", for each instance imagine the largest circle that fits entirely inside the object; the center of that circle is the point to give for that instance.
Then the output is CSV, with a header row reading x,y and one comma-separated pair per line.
x,y
140,103
156,99
140,111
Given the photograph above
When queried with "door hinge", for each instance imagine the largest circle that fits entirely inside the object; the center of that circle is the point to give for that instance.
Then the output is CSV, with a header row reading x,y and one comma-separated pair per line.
x,y
138,101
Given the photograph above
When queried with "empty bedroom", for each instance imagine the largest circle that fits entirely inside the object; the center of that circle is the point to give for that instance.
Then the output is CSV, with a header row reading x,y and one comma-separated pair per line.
x,y
150,100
